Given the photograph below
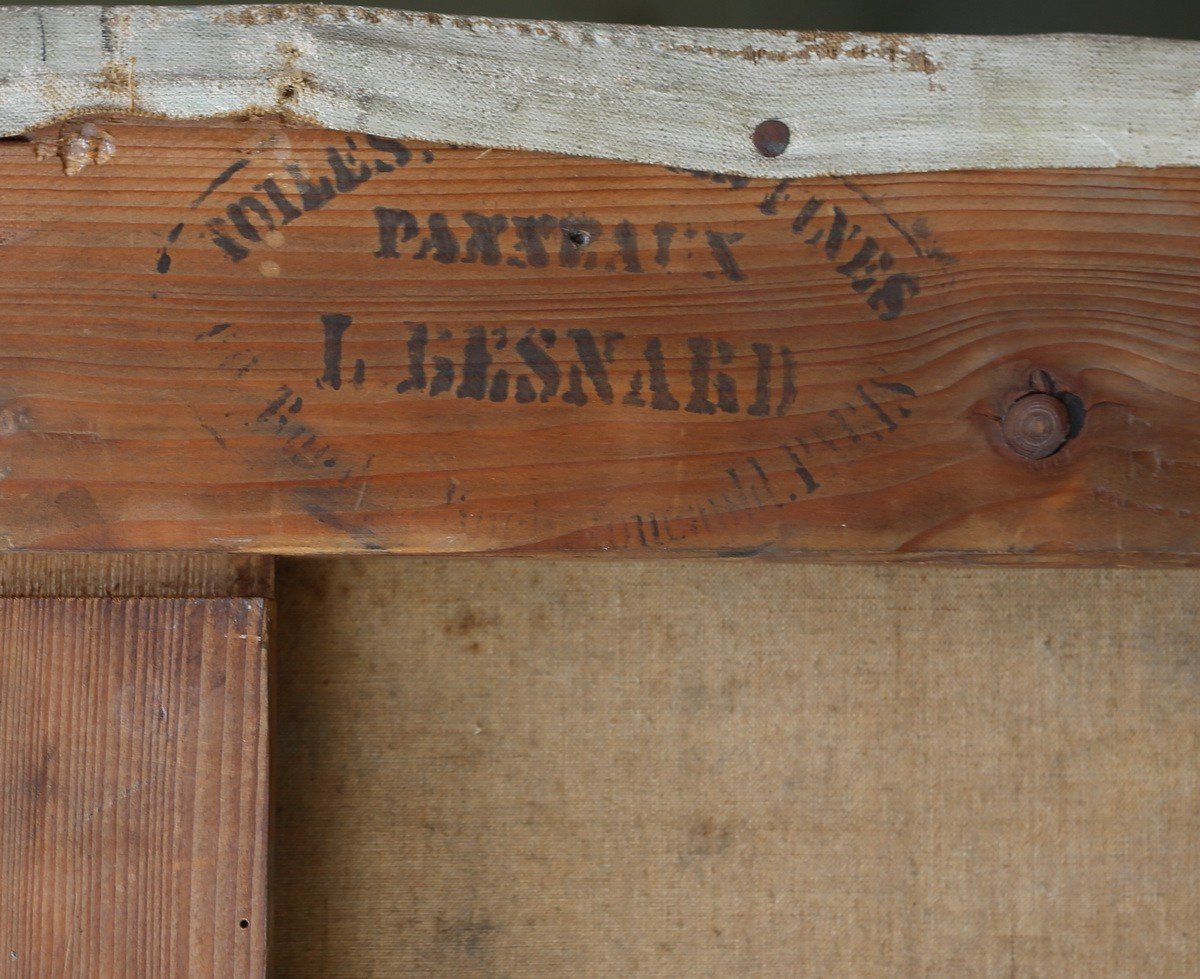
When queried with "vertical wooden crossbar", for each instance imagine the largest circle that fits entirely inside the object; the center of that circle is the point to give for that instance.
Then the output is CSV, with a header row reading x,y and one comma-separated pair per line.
x,y
133,766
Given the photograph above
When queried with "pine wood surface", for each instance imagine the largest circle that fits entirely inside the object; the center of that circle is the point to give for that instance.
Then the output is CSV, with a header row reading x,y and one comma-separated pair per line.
x,y
133,785
247,337
135,574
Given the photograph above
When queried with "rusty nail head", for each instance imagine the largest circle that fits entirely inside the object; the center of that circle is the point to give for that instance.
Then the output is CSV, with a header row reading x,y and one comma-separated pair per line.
x,y
1036,425
771,137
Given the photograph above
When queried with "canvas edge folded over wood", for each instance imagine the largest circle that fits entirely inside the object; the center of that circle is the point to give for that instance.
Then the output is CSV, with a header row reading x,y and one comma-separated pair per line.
x,y
854,103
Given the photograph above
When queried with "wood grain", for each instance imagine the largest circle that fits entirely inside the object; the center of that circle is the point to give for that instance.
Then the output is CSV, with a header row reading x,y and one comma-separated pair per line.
x,y
135,575
248,337
133,761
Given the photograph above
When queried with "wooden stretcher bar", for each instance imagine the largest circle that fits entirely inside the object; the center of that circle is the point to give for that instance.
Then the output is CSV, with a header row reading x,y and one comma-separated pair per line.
x,y
133,760
249,336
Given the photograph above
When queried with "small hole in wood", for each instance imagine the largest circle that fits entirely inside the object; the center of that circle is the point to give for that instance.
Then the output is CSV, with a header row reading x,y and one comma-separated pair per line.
x,y
243,923
578,237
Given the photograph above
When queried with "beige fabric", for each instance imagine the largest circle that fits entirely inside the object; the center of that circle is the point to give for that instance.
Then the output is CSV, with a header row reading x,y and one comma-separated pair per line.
x,y
675,769
686,97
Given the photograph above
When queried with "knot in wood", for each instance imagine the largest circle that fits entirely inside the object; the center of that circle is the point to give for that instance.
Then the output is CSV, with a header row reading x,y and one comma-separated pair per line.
x,y
1036,425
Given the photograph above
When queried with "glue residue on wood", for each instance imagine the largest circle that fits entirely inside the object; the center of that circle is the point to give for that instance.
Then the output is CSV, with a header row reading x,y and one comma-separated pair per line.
x,y
79,147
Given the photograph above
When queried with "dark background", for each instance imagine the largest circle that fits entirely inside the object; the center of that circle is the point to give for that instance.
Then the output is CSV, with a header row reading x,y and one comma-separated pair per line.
x,y
1157,18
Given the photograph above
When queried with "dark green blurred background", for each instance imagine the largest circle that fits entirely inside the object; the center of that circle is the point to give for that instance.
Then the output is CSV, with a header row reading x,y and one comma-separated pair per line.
x,y
1157,18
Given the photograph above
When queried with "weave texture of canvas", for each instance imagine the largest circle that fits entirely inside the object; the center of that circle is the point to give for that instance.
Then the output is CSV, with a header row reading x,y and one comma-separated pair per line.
x,y
552,768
